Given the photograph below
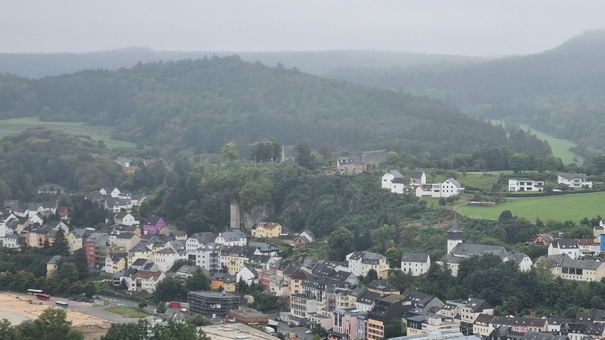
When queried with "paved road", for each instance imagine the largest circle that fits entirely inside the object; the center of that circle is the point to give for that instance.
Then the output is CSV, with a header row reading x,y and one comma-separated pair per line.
x,y
97,308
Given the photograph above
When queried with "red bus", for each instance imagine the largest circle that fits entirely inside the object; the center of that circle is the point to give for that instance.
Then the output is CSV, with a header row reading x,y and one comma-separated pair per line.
x,y
41,296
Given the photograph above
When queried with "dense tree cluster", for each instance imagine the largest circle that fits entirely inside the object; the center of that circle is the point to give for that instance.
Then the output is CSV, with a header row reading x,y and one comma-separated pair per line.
x,y
41,156
145,330
52,324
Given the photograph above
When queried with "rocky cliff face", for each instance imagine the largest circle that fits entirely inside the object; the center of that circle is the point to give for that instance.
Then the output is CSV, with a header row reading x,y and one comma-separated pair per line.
x,y
257,213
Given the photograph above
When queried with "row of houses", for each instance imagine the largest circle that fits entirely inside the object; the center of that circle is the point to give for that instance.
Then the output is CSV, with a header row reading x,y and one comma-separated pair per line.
x,y
569,180
426,315
415,182
115,200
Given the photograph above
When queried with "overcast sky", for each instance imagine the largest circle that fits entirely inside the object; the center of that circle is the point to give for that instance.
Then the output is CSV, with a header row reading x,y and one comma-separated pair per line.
x,y
469,27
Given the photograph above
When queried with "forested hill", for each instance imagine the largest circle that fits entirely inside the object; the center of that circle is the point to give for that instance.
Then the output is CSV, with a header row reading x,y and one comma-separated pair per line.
x,y
560,91
200,105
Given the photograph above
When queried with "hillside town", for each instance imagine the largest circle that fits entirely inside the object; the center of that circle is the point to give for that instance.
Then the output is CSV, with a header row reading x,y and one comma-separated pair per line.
x,y
348,299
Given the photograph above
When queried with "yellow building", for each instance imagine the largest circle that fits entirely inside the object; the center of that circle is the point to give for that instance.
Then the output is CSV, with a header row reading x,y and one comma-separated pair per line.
x,y
235,257
295,284
140,251
267,230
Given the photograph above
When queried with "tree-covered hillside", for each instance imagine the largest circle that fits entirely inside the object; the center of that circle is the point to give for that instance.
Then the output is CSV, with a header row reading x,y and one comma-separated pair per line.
x,y
560,91
199,105
41,156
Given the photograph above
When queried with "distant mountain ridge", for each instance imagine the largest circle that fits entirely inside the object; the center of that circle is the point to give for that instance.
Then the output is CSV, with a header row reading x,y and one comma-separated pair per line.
x,y
559,91
37,65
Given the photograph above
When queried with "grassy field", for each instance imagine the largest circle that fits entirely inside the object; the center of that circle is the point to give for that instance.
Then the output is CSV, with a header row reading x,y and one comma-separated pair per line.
x,y
556,208
560,147
17,125
127,311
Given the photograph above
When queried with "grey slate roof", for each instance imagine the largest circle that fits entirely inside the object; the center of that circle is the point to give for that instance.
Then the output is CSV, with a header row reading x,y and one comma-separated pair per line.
x,y
469,249
415,257
382,285
395,173
414,173
572,176
565,261
565,244
54,260
205,237
454,182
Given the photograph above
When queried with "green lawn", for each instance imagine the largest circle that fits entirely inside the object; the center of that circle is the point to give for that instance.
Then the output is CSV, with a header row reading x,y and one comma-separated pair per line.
x,y
129,312
17,125
556,208
483,181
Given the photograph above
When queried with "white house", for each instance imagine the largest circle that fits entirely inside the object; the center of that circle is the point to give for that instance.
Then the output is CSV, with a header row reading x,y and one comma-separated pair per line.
x,y
448,188
570,247
389,176
396,182
231,238
361,262
125,219
144,281
247,274
208,256
166,257
113,192
415,263
199,239
10,241
525,185
574,180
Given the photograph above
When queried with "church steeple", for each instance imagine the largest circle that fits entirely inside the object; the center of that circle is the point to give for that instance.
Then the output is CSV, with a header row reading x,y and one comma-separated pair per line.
x,y
454,236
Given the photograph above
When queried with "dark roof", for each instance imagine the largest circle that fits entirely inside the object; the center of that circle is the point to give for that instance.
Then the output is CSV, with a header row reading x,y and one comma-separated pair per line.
x,y
484,318
572,176
382,285
204,237
367,297
395,173
54,260
595,328
415,257
478,305
139,262
565,261
414,174
454,182
565,243
469,249
152,220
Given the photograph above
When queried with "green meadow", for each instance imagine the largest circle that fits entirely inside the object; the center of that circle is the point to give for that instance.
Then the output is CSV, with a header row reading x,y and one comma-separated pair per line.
x,y
17,125
560,147
556,208
128,312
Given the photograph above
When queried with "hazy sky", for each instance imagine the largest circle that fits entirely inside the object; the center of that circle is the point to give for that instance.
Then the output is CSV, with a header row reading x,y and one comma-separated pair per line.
x,y
472,27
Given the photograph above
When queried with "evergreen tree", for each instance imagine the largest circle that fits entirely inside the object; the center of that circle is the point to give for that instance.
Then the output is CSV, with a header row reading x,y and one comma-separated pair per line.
x,y
60,245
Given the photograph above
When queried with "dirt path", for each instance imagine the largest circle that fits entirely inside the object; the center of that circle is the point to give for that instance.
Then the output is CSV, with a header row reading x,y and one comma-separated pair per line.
x,y
18,308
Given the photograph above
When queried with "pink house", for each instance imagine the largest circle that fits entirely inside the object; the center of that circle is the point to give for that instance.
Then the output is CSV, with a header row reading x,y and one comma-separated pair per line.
x,y
349,322
153,225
